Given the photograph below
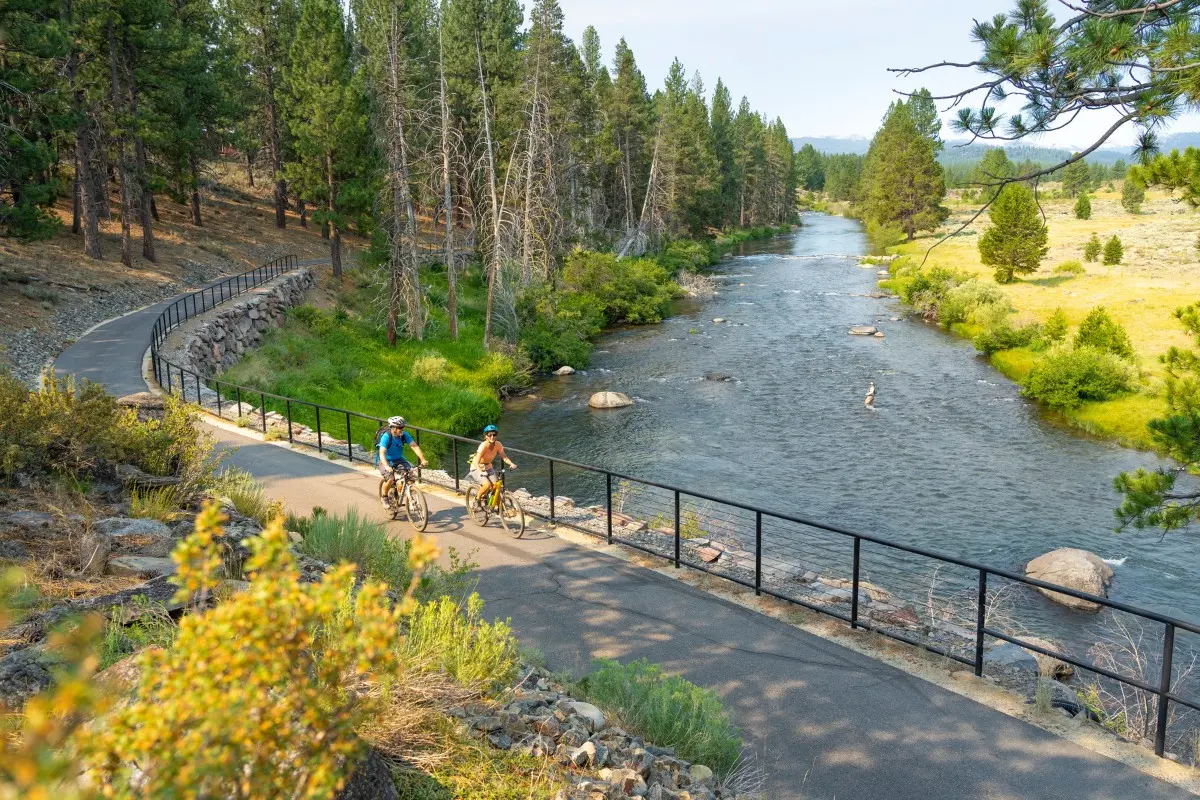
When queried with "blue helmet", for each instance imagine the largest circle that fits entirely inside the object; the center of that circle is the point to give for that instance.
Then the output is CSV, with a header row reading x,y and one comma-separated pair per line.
x,y
490,429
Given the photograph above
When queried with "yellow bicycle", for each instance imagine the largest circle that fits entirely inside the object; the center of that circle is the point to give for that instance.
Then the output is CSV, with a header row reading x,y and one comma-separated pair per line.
x,y
498,502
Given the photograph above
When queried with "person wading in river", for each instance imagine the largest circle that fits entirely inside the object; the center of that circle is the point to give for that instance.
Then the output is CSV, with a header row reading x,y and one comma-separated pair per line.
x,y
869,400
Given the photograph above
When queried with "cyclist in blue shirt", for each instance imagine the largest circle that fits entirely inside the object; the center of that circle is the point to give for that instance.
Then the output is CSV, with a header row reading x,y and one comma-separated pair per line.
x,y
391,456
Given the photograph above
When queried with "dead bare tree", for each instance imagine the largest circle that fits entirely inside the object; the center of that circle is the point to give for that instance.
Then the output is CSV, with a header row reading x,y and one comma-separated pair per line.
x,y
494,260
447,196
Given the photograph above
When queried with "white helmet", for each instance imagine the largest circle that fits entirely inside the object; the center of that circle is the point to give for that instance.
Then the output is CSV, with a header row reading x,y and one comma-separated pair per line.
x,y
396,422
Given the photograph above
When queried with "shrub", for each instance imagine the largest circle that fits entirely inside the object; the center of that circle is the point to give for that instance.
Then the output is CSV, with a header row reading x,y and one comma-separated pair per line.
x,y
1055,328
1064,378
1113,251
1092,249
1071,267
161,504
67,429
430,367
135,628
42,294
925,289
970,299
556,326
686,255
1003,336
450,637
635,290
250,695
1100,331
1133,194
1083,207
247,495
667,710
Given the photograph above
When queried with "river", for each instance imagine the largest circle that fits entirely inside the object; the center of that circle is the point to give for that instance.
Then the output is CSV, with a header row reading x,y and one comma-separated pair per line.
x,y
952,459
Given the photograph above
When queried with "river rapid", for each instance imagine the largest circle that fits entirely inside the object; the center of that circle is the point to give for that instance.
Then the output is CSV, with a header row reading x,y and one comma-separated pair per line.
x,y
952,459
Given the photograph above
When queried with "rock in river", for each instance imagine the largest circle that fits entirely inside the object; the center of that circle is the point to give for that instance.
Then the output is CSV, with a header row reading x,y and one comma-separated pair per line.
x,y
863,330
609,400
565,370
1075,569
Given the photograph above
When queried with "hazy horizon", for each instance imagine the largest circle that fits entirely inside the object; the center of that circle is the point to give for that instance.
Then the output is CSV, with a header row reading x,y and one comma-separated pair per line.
x,y
791,59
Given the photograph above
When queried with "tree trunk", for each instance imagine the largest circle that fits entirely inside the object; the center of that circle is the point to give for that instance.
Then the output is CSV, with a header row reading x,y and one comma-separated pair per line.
x,y
335,242
75,214
147,212
122,154
276,144
494,262
447,196
527,223
302,210
250,169
195,189
102,172
405,264
85,212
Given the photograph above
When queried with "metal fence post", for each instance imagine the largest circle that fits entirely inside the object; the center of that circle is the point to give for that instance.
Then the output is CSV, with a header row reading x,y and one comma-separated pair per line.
x,y
758,553
608,502
1164,686
417,438
199,399
454,447
217,386
854,585
676,529
318,408
262,409
552,490
980,619
169,390
239,401
288,405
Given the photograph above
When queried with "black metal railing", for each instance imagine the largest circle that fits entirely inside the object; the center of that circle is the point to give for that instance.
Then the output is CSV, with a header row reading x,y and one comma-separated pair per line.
x,y
770,552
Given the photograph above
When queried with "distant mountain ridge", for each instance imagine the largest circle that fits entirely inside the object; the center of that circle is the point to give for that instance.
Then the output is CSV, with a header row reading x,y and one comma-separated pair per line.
x,y
959,151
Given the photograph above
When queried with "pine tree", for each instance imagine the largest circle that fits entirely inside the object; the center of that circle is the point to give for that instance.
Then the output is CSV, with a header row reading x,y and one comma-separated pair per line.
x,y
1092,249
628,126
1076,177
992,170
1083,207
328,114
810,169
1113,251
1017,240
721,124
688,160
1133,194
1119,169
903,185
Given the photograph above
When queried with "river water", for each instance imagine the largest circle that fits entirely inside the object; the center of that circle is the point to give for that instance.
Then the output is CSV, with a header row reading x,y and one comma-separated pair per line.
x,y
952,459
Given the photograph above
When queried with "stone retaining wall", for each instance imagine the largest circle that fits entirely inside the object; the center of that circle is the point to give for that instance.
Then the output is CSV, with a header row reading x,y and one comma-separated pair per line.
x,y
219,341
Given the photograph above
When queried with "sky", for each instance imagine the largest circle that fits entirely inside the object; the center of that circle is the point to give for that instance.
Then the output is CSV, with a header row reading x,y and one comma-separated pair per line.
x,y
819,65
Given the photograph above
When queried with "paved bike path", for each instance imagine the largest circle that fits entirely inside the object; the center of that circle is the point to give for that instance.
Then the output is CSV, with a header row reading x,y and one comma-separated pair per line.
x,y
828,723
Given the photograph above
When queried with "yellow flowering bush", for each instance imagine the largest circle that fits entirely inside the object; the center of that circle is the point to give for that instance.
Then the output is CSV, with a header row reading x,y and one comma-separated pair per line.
x,y
37,763
259,696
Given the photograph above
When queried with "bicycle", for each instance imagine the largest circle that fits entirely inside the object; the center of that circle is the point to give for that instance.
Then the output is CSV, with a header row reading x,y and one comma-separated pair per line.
x,y
404,485
500,503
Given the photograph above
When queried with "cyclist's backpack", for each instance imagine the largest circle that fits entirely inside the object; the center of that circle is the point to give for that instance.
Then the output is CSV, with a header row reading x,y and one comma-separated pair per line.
x,y
379,438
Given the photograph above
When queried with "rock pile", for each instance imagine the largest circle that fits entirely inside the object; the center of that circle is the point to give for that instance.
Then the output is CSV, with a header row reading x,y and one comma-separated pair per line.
x,y
220,341
607,762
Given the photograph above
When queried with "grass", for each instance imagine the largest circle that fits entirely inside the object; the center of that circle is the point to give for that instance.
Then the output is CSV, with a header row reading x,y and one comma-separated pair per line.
x,y
161,504
342,359
1155,277
667,710
474,770
354,538
136,628
248,496
451,637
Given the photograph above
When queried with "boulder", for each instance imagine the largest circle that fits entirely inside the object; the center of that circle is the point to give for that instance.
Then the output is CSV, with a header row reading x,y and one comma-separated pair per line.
x,y
863,330
1007,654
609,400
719,376
371,780
1048,666
140,566
590,713
132,536
565,370
22,675
13,551
30,521
147,405
718,320
878,334
1075,569
94,550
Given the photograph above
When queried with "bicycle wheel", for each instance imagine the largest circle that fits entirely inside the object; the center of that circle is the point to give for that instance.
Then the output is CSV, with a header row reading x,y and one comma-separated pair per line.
x,y
418,509
392,496
512,516
479,514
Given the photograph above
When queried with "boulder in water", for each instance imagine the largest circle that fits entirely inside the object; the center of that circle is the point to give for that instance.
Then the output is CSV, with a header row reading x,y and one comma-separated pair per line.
x,y
719,376
1075,569
863,330
609,400
565,369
